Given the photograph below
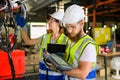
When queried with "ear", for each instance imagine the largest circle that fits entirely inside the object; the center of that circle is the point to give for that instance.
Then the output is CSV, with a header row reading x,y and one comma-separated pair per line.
x,y
58,24
82,22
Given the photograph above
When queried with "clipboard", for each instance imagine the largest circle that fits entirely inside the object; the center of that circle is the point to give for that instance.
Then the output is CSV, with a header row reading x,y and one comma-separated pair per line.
x,y
56,48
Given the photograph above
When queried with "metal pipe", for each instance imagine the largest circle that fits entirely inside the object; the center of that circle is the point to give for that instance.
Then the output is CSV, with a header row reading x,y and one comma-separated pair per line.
x,y
103,12
101,3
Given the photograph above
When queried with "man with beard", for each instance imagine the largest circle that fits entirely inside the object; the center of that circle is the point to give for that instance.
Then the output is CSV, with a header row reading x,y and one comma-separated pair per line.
x,y
82,49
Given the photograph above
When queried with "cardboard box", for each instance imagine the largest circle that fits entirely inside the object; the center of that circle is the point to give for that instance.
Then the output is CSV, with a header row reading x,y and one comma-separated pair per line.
x,y
101,72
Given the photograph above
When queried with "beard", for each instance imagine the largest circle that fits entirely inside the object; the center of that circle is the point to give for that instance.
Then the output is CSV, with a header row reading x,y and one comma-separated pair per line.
x,y
74,38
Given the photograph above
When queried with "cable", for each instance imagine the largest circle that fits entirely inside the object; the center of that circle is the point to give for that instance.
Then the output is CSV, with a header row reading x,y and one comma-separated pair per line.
x,y
4,6
9,21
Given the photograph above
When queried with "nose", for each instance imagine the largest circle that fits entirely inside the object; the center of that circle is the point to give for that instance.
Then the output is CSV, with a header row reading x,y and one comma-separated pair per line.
x,y
48,21
69,30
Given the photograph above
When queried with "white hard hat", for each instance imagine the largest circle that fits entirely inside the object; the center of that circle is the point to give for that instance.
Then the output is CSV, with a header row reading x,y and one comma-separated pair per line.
x,y
58,15
73,14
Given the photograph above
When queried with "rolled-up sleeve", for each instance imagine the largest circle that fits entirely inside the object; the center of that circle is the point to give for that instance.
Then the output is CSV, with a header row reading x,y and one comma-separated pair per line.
x,y
89,54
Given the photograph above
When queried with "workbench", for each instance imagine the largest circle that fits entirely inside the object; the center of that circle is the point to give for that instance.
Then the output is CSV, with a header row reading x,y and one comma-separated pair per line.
x,y
106,55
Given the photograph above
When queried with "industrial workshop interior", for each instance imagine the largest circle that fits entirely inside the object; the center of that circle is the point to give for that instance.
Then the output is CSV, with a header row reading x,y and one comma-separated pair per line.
x,y
27,43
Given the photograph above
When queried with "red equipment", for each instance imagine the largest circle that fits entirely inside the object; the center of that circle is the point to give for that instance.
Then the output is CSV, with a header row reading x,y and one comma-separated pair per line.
x,y
18,57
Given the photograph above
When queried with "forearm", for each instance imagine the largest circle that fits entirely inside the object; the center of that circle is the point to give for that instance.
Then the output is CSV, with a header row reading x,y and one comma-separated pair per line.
x,y
25,36
82,71
76,72
27,40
